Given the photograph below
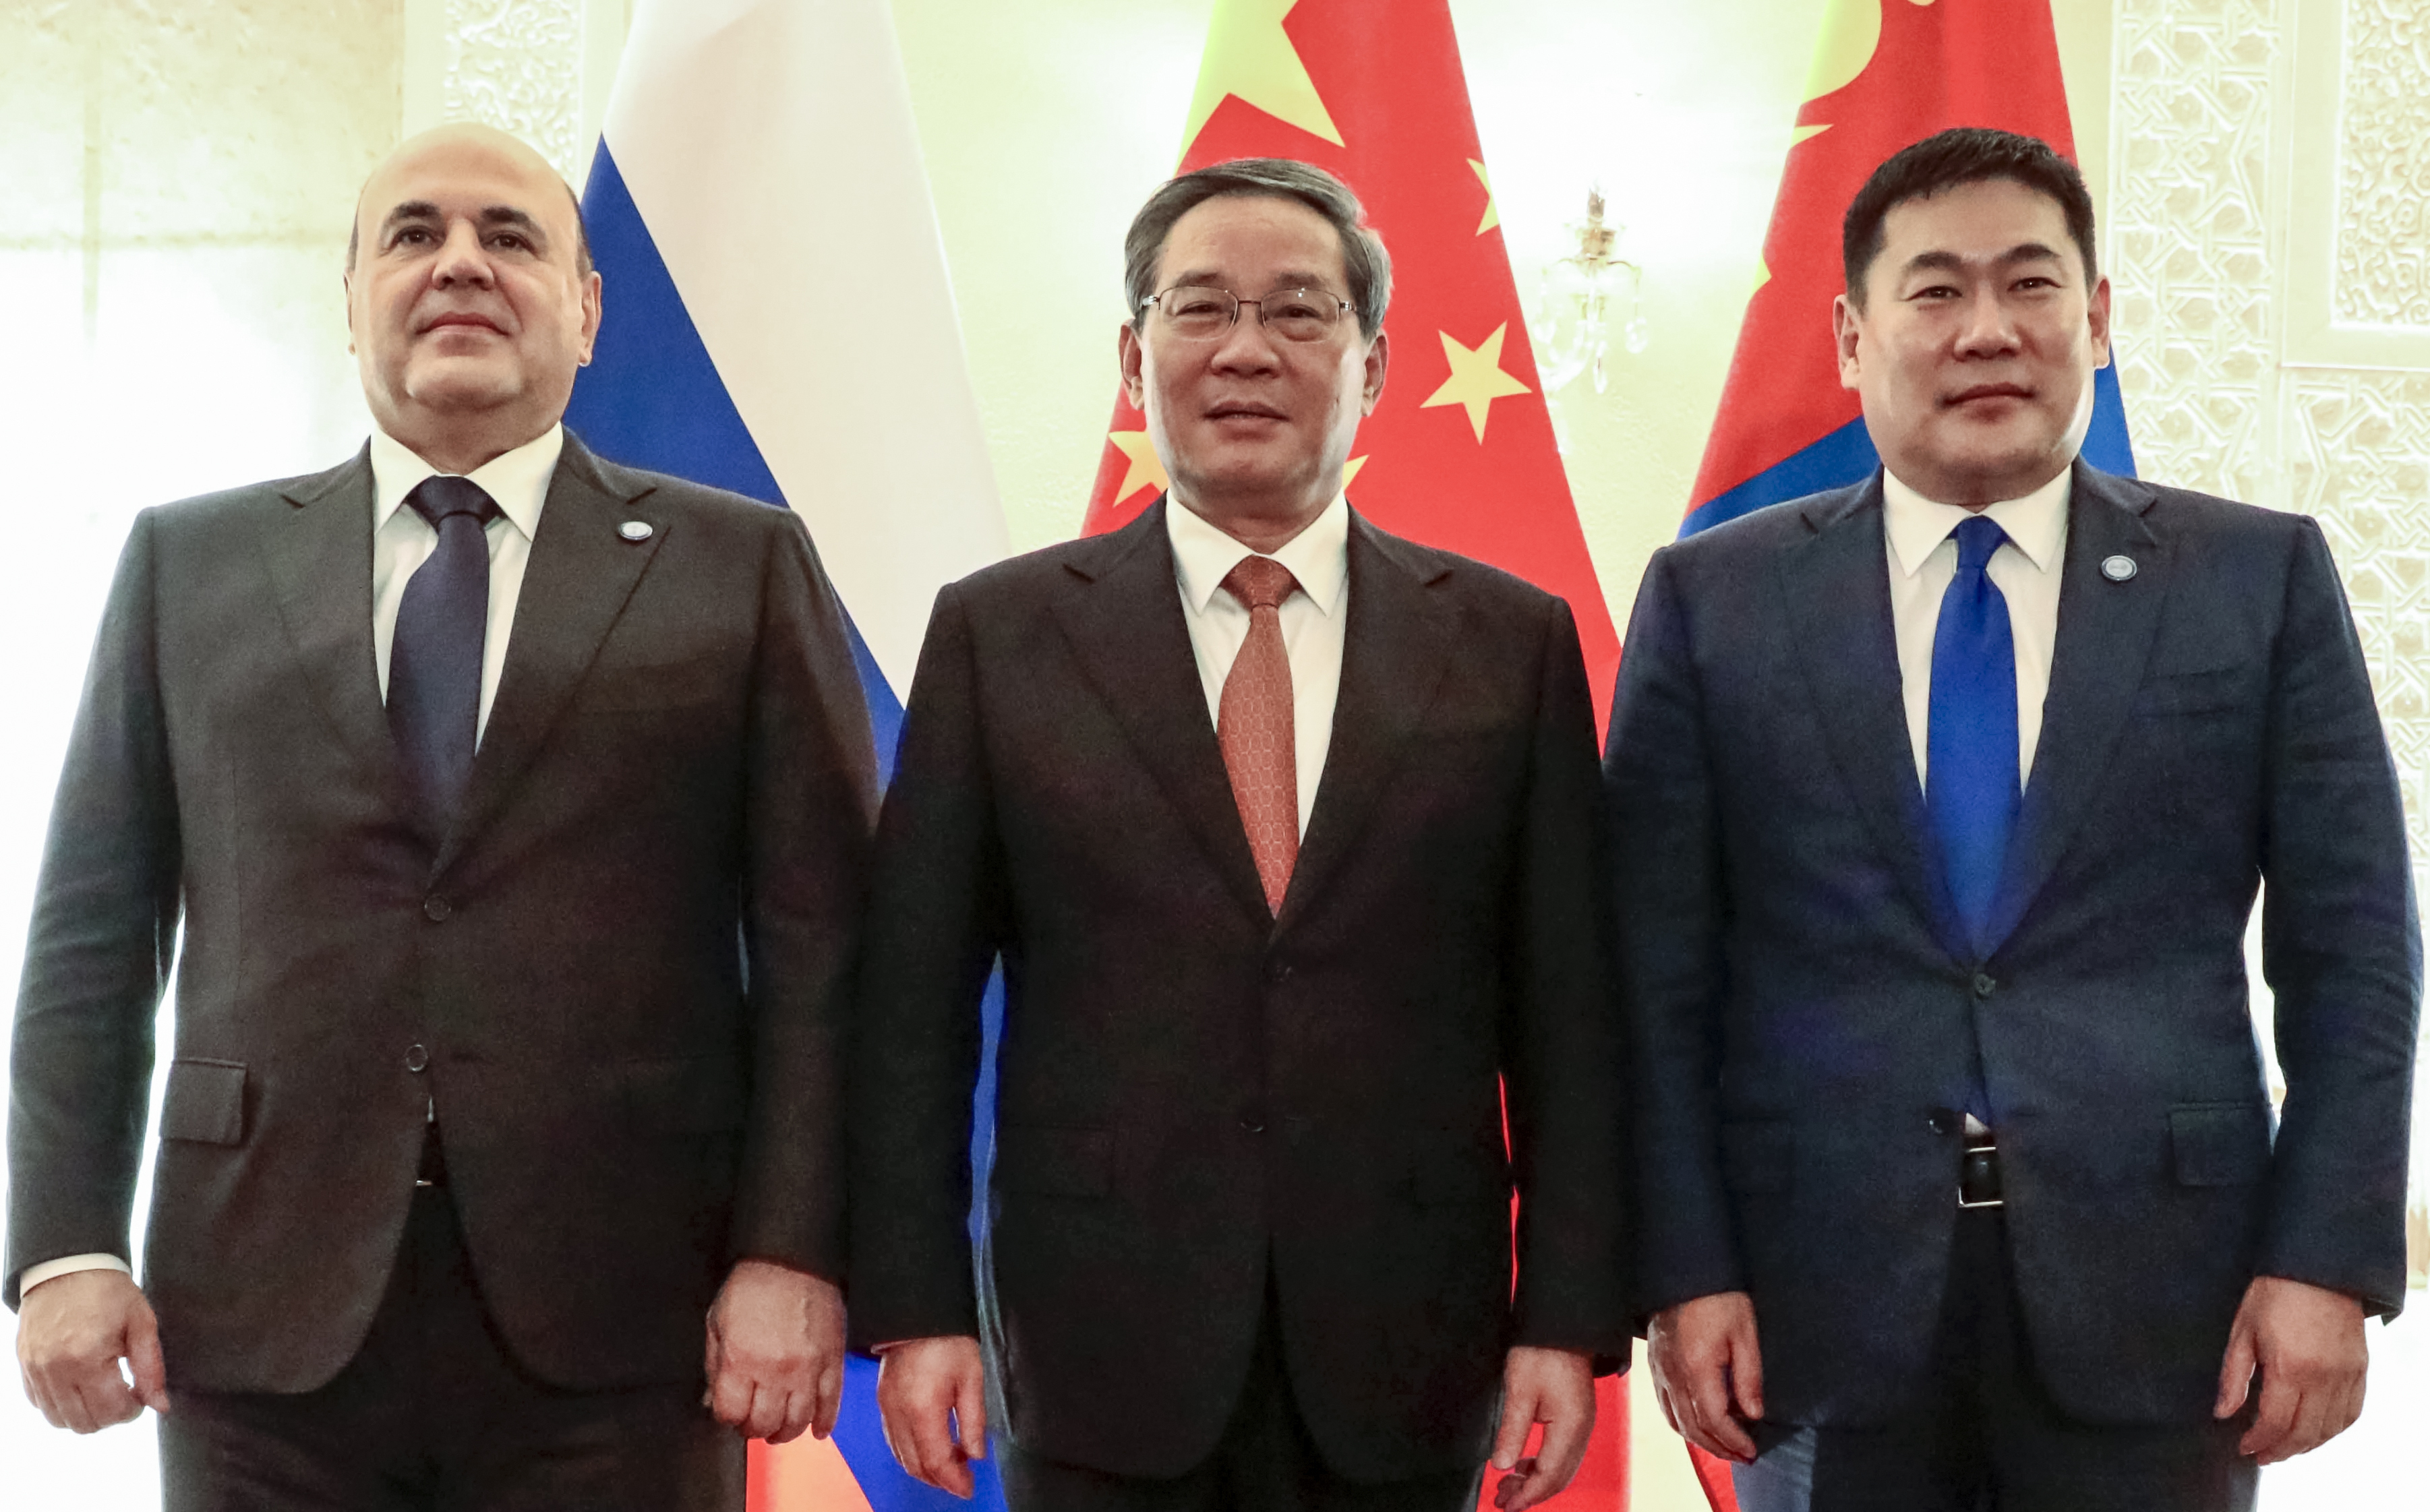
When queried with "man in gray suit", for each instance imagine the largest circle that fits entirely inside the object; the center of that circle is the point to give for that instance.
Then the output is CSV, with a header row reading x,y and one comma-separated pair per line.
x,y
491,1174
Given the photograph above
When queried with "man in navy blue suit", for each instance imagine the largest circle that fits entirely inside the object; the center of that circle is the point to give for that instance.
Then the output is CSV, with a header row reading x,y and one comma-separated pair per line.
x,y
1962,1184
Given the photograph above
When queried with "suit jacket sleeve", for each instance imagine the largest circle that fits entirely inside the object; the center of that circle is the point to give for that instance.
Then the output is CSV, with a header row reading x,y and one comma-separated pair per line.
x,y
935,926
1563,1063
810,801
98,953
1673,921
2342,951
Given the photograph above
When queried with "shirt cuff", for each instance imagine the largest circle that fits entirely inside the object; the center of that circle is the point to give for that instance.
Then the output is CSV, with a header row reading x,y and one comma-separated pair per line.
x,y
68,1265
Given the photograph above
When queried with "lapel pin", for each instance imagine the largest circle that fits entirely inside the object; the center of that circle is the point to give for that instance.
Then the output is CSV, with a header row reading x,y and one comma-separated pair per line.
x,y
639,530
2116,569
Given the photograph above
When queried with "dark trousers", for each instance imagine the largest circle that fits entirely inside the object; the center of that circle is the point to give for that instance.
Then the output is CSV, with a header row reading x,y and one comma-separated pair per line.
x,y
433,1415
1984,1437
1264,1462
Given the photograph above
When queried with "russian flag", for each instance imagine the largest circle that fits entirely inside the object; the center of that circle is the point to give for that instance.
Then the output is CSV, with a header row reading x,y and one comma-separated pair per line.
x,y
779,321
1886,74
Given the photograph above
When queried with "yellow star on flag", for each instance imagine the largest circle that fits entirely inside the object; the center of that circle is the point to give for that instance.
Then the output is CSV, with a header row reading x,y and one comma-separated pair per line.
x,y
1146,469
1249,55
1492,216
1350,470
1477,377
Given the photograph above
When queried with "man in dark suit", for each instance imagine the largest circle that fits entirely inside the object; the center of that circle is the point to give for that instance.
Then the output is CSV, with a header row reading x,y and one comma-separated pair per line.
x,y
463,767
1950,793
1286,832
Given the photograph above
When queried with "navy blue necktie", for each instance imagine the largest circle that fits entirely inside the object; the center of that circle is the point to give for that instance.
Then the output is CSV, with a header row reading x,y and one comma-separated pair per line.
x,y
433,664
1971,784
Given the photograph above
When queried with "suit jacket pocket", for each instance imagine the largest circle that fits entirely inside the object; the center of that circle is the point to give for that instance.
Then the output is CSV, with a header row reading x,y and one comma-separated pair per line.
x,y
1755,1155
2219,1144
697,1095
205,1102
1055,1162
2196,692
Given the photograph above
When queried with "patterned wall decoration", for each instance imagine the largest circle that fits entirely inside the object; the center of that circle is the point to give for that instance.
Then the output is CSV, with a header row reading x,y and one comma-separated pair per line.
x,y
2205,105
517,65
2383,259
2190,264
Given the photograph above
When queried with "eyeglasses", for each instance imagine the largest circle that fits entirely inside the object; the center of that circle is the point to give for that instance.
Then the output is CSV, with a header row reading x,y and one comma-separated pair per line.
x,y
1195,312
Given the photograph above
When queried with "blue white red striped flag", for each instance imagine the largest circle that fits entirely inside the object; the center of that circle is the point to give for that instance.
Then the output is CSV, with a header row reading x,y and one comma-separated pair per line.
x,y
779,323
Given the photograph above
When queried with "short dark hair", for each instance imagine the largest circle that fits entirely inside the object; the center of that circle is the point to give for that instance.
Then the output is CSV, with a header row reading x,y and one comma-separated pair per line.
x,y
581,235
1963,154
1364,262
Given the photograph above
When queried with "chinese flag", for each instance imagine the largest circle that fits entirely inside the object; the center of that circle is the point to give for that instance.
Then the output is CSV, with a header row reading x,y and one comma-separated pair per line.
x,y
1459,452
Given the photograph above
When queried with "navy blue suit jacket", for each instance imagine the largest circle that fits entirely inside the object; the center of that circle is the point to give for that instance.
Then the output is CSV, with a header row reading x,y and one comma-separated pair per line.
x,y
1807,1019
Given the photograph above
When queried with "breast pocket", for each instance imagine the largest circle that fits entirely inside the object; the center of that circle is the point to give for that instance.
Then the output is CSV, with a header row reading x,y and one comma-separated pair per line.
x,y
2211,690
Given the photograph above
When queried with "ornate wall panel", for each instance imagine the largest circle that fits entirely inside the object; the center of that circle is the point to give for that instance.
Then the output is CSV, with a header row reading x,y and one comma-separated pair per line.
x,y
2383,239
2190,240
517,65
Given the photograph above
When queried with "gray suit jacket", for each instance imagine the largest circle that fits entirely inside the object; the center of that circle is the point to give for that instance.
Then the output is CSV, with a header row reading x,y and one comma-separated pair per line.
x,y
677,758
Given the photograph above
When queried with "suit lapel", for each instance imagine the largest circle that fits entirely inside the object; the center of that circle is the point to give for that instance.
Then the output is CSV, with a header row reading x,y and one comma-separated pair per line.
x,y
1838,593
2105,631
579,576
319,552
1394,651
1122,613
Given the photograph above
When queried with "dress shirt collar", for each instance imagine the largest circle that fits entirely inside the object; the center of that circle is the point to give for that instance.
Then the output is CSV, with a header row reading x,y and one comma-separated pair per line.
x,y
518,480
1317,557
2037,524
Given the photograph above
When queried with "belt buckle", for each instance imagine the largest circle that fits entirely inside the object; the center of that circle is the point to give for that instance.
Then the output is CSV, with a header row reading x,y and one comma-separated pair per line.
x,y
1980,1172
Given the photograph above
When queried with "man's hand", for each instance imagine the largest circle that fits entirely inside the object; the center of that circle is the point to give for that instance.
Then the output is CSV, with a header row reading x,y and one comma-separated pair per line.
x,y
775,1352
1556,1388
2307,1342
920,1385
72,1332
1705,1363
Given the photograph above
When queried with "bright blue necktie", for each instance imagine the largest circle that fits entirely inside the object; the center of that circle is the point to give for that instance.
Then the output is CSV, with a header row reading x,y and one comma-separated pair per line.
x,y
1971,785
433,664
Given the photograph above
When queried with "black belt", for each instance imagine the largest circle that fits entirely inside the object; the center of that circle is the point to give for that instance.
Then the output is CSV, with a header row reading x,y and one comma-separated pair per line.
x,y
1978,1173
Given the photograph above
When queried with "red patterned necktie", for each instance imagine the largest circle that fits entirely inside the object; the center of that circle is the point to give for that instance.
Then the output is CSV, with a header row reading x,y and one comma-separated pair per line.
x,y
1252,725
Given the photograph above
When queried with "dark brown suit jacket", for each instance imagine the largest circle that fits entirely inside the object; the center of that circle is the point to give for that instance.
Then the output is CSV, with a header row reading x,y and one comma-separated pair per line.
x,y
620,977
1195,1095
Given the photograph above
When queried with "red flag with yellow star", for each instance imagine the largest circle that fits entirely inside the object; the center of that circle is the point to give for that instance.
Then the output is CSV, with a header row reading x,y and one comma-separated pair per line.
x,y
1460,453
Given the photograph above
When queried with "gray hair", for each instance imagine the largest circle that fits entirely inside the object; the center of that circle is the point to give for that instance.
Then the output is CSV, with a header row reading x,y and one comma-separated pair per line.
x,y
1364,262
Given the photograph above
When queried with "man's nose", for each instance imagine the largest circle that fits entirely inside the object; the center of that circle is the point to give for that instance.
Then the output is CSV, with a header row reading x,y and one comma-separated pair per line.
x,y
1990,328
1248,346
461,257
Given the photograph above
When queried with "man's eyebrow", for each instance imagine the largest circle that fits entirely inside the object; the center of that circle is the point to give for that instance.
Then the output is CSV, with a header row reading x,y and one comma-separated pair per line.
x,y
1939,261
1203,277
494,215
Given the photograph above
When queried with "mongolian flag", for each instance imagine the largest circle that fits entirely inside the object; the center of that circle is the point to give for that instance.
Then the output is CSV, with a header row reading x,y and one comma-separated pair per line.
x,y
1460,453
779,323
1886,73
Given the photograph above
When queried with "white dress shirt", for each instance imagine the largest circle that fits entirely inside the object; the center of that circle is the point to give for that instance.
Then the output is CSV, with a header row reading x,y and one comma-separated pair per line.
x,y
2026,569
1313,618
402,540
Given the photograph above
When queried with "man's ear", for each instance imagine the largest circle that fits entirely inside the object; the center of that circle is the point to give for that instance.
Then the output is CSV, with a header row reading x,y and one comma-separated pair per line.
x,y
1844,336
593,290
1128,353
1380,357
2097,316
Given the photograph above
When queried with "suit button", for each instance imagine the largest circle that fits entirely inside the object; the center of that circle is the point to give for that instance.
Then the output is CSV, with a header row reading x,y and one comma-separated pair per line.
x,y
416,1059
1278,971
1983,985
1940,1123
436,910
